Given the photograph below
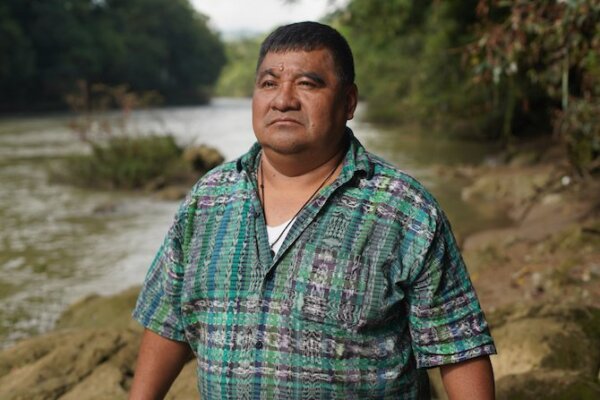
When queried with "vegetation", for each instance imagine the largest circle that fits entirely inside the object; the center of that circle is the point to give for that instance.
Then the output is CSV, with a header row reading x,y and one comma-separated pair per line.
x,y
237,78
408,61
125,162
548,50
492,68
47,46
122,157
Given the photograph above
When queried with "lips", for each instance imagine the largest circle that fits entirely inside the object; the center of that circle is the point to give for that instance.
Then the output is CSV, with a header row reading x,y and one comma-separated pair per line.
x,y
284,120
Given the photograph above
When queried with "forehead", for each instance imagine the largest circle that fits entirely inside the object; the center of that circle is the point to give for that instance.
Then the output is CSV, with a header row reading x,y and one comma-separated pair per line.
x,y
315,60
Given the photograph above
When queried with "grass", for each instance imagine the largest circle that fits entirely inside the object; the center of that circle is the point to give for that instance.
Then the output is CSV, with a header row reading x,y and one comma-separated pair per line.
x,y
125,162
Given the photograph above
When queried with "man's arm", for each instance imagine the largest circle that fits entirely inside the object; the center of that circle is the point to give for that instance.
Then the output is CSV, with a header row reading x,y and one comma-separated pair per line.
x,y
469,380
159,362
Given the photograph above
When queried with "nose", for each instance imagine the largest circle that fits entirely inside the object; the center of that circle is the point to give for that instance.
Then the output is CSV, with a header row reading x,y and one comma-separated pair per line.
x,y
286,98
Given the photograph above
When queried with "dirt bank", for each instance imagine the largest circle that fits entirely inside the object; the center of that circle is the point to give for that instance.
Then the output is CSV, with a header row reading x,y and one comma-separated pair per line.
x,y
551,253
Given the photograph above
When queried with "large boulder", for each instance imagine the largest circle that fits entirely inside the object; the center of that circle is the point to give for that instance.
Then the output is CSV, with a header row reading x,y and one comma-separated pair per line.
x,y
67,365
91,356
547,352
547,385
96,311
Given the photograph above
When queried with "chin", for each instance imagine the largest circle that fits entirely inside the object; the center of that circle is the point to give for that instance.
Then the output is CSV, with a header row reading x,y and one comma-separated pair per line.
x,y
282,142
284,147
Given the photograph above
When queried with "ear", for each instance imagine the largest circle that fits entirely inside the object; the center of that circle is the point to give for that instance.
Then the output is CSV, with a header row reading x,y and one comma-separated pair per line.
x,y
351,101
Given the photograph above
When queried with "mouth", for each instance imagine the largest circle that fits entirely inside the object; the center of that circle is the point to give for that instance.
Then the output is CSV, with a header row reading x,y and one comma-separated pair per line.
x,y
284,121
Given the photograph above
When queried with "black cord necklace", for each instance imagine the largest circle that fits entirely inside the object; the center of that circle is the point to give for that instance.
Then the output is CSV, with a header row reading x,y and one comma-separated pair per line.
x,y
262,192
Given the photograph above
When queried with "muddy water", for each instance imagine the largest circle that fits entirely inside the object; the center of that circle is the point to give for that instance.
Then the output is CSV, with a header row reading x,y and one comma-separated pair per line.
x,y
58,243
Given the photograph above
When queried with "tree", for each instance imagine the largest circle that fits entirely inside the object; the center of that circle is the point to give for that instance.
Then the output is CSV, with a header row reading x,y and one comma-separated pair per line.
x,y
237,78
408,58
157,45
551,45
17,64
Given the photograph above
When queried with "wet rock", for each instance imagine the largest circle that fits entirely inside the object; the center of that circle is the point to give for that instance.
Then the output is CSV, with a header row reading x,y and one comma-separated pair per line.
x,y
108,207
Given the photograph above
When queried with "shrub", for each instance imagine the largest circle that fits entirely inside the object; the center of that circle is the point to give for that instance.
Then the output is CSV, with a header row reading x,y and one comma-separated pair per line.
x,y
124,162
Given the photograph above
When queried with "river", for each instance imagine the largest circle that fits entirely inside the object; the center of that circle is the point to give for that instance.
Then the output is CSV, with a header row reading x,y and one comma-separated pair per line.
x,y
59,243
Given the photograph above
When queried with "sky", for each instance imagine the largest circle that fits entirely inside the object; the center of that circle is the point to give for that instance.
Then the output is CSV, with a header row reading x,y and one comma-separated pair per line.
x,y
238,17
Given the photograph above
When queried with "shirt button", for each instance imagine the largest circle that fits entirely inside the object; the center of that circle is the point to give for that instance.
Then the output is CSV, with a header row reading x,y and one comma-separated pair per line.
x,y
259,345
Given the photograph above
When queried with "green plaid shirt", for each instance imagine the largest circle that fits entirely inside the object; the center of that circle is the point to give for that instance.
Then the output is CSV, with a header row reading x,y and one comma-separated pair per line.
x,y
368,287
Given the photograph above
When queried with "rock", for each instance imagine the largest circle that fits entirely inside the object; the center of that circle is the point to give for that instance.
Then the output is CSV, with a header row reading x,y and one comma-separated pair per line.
x,y
91,356
101,312
524,159
103,383
184,387
105,208
513,187
202,158
547,385
172,193
436,384
546,351
62,362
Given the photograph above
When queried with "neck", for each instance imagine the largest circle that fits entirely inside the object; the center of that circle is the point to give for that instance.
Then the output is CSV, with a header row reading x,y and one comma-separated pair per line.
x,y
281,171
286,195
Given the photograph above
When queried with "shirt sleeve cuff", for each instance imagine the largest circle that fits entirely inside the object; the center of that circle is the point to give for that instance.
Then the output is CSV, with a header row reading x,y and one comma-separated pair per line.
x,y
435,360
159,327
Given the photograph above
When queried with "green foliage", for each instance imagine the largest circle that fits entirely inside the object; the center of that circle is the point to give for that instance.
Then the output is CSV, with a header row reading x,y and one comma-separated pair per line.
x,y
121,156
157,45
496,68
408,61
125,162
237,78
579,125
17,60
550,45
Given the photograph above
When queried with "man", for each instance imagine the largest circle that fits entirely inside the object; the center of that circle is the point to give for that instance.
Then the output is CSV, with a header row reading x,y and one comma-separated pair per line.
x,y
310,268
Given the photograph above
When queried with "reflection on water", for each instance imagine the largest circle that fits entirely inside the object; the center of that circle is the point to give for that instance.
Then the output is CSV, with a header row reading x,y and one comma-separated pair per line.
x,y
58,243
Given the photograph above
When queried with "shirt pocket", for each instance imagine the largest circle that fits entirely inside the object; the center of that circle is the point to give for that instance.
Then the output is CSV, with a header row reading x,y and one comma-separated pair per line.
x,y
332,287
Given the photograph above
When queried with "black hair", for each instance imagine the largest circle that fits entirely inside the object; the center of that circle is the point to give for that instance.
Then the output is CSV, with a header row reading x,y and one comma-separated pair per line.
x,y
309,36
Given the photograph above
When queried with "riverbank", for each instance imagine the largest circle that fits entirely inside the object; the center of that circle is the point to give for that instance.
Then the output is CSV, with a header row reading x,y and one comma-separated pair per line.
x,y
538,281
551,252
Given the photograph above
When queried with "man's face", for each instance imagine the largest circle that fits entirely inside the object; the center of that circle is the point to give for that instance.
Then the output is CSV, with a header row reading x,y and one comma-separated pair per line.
x,y
299,105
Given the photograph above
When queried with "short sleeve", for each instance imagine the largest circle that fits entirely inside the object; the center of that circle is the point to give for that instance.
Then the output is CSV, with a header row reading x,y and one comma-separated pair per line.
x,y
446,321
158,306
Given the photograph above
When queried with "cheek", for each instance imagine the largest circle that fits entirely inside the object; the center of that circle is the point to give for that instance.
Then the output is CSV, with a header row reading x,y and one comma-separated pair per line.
x,y
258,107
321,114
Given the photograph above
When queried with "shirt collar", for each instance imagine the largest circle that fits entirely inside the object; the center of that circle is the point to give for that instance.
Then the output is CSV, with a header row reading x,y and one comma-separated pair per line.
x,y
356,159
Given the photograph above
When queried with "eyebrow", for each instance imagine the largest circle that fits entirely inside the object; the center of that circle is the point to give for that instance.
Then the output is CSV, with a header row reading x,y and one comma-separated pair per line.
x,y
310,75
268,71
315,77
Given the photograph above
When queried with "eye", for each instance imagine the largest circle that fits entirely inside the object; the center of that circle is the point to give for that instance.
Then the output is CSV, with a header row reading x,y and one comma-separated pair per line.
x,y
308,84
268,84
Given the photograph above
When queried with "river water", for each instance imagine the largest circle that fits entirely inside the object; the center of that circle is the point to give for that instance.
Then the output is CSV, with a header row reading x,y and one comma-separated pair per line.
x,y
59,243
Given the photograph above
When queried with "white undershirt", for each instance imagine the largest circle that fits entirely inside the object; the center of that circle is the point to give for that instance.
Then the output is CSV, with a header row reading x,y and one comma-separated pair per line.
x,y
275,231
